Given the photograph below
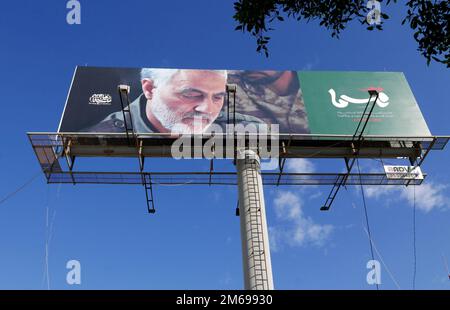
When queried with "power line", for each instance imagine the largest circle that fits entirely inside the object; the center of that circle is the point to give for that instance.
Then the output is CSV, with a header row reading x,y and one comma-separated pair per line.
x,y
20,188
47,243
382,260
391,275
49,223
383,161
26,183
366,215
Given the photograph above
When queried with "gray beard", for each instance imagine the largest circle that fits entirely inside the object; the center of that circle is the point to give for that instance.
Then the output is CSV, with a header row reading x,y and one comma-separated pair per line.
x,y
172,123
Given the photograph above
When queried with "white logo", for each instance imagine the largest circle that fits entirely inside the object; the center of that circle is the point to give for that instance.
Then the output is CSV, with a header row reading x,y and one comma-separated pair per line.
x,y
100,99
343,101
74,275
374,275
374,15
403,172
261,137
74,15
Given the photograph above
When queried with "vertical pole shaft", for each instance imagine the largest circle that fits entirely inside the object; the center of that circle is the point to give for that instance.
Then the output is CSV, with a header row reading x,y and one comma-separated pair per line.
x,y
254,234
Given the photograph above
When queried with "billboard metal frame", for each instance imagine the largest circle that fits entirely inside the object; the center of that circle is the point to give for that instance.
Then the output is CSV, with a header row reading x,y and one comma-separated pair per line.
x,y
51,148
291,145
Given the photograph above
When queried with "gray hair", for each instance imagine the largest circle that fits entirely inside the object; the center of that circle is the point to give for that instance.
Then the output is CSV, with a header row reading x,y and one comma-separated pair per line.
x,y
162,76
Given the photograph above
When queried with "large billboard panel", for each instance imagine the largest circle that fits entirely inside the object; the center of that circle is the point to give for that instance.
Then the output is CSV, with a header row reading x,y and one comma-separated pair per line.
x,y
192,101
335,103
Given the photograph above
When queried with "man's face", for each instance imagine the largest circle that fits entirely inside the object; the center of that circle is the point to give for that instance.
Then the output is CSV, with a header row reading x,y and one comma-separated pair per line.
x,y
189,102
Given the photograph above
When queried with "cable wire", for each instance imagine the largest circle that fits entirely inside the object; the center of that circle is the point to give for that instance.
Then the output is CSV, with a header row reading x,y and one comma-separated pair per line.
x,y
382,260
47,243
366,215
4,199
49,224
391,275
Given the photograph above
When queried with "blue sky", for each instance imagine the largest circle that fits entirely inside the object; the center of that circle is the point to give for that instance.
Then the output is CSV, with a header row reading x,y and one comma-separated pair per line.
x,y
193,242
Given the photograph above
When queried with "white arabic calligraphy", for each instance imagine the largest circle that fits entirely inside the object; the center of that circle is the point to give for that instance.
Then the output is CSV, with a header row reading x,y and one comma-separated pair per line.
x,y
343,101
100,99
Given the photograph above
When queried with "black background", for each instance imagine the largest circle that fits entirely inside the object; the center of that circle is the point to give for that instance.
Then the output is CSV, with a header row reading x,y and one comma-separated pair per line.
x,y
291,299
96,80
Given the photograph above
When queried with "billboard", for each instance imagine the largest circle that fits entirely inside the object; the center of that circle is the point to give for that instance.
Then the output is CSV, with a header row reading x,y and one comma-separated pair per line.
x,y
192,101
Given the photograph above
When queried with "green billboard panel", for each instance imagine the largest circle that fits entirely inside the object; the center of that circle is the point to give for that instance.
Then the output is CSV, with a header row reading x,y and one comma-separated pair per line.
x,y
335,103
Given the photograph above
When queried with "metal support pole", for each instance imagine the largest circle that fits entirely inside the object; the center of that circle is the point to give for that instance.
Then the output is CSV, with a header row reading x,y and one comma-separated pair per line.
x,y
254,233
